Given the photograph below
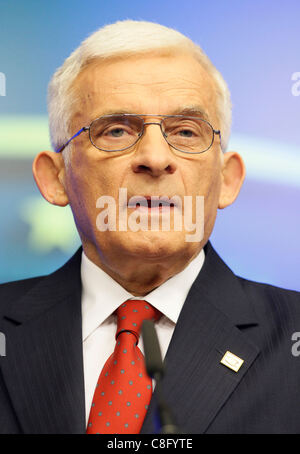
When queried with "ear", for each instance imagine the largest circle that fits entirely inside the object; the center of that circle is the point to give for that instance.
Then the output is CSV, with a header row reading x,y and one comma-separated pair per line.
x,y
49,173
233,175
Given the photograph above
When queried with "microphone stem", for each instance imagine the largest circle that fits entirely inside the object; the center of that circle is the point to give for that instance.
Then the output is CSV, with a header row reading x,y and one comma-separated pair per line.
x,y
166,421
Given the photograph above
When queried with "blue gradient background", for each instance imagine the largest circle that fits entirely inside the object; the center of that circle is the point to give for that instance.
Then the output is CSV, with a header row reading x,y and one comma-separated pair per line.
x,y
256,46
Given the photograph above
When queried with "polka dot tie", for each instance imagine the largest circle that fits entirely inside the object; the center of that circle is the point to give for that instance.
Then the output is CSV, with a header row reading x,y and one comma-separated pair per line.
x,y
124,389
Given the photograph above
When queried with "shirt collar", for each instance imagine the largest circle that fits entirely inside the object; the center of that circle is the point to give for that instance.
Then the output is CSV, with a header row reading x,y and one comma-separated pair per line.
x,y
102,295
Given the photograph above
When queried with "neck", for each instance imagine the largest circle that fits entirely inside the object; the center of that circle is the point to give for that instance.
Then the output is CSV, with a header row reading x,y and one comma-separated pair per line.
x,y
138,277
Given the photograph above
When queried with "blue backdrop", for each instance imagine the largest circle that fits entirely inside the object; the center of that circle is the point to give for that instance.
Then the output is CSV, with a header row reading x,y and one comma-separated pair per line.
x,y
256,46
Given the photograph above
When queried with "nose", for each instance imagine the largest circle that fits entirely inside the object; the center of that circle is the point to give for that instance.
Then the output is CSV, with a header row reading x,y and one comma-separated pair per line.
x,y
153,155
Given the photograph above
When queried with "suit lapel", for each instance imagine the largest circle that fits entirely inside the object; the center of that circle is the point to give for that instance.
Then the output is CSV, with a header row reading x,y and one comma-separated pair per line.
x,y
196,385
43,367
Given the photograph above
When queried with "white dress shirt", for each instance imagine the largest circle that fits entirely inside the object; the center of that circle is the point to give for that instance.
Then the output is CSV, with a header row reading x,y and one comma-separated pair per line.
x,y
102,295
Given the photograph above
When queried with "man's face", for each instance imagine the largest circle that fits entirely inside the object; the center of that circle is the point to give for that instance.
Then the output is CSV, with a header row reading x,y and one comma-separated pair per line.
x,y
142,85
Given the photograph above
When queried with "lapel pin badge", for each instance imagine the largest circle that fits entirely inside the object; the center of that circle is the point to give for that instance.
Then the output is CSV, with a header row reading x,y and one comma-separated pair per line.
x,y
232,361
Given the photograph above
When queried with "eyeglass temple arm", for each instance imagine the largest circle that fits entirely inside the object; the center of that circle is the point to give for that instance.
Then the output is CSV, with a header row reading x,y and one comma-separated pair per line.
x,y
219,134
85,128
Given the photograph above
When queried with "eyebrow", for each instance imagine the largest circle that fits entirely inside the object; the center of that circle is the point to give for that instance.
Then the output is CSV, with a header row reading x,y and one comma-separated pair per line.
x,y
192,111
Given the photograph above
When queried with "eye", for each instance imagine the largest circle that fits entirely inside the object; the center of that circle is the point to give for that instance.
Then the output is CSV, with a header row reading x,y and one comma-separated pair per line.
x,y
185,132
111,131
116,131
182,128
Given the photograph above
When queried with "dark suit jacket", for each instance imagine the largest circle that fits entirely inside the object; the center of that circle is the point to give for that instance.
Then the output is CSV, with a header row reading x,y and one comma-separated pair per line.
x,y
41,376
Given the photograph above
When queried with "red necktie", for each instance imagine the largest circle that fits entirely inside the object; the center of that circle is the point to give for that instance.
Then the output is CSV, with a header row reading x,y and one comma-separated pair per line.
x,y
124,389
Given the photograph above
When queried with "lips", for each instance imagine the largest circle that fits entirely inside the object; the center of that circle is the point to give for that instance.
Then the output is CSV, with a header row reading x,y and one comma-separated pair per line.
x,y
152,202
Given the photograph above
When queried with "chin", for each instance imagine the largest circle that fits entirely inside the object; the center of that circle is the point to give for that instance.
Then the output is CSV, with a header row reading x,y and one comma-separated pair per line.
x,y
153,245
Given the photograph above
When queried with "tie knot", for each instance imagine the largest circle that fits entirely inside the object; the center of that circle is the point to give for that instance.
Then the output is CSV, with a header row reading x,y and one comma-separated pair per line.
x,y
131,315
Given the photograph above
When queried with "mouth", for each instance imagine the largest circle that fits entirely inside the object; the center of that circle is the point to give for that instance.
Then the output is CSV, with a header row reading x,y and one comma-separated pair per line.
x,y
152,204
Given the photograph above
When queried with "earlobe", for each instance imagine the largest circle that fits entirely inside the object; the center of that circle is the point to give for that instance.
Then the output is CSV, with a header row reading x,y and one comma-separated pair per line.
x,y
47,170
233,175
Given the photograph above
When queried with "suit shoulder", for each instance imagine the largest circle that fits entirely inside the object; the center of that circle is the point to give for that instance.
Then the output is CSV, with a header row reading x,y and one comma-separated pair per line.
x,y
265,297
268,289
13,290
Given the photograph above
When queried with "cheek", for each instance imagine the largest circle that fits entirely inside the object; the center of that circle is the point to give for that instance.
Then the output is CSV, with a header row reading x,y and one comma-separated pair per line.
x,y
203,177
206,181
212,201
92,176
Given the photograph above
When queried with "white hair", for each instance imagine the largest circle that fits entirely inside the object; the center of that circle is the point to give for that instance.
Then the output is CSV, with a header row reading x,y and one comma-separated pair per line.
x,y
125,38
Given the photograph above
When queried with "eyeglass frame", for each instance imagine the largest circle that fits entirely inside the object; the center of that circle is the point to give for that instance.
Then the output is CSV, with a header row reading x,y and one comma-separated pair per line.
x,y
88,128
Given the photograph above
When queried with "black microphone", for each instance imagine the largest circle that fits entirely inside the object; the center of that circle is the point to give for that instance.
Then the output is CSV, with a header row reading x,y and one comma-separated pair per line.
x,y
155,370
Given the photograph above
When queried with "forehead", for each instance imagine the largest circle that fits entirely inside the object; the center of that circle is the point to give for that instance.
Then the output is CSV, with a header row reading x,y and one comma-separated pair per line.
x,y
151,84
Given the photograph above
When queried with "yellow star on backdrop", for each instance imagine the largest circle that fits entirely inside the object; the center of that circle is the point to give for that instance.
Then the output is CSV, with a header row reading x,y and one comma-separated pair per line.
x,y
50,226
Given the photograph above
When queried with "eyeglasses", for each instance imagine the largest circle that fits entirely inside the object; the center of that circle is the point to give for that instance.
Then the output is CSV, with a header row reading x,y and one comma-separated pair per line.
x,y
118,132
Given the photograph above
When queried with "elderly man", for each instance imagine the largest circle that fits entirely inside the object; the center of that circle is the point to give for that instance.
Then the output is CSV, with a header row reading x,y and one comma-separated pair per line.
x,y
139,121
